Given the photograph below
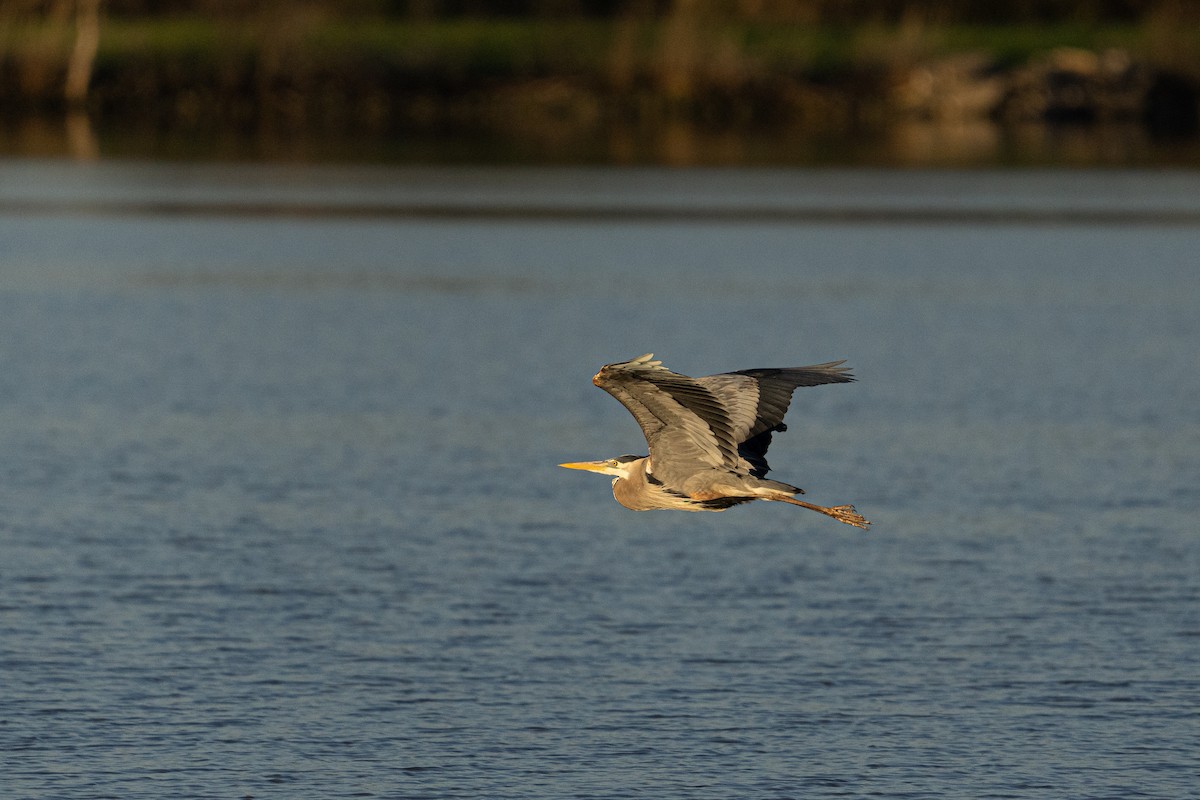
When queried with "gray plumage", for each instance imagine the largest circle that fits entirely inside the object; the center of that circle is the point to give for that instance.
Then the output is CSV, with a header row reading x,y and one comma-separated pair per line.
x,y
708,436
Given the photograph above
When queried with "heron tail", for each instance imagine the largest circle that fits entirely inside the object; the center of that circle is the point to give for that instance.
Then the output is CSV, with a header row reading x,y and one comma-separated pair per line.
x,y
769,486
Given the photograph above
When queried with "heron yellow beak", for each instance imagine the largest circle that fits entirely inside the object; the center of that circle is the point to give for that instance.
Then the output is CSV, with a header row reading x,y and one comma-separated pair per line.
x,y
590,466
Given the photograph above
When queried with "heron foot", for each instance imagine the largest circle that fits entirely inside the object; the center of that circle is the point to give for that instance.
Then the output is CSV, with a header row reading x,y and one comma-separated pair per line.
x,y
850,516
846,514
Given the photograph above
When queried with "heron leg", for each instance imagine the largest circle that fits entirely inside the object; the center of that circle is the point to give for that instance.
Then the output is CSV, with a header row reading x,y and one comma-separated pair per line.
x,y
846,514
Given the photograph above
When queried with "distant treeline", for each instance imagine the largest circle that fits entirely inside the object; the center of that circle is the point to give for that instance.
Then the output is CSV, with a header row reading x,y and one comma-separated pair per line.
x,y
565,64
842,12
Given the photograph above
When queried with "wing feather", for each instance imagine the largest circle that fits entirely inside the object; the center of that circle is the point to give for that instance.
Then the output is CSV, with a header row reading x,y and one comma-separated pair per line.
x,y
758,399
720,421
686,425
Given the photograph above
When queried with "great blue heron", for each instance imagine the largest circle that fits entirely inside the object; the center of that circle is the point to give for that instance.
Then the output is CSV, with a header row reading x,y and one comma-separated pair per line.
x,y
708,436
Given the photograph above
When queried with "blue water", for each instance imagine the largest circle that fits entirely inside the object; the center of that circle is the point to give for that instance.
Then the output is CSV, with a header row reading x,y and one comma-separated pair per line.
x,y
280,515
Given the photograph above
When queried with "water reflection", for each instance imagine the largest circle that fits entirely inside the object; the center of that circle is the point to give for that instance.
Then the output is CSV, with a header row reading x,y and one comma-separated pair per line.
x,y
673,142
82,144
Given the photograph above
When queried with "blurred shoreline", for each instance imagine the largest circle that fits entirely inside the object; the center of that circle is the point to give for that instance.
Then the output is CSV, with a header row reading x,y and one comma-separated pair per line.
x,y
679,88
908,144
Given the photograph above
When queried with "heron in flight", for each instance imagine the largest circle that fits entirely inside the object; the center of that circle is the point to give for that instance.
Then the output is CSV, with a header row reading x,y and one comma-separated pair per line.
x,y
708,436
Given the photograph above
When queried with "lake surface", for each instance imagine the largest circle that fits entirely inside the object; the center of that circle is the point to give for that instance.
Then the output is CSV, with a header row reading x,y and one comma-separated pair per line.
x,y
280,515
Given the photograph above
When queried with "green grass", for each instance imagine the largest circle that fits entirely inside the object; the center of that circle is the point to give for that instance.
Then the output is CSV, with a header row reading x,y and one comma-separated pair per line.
x,y
170,37
460,47
1018,45
506,49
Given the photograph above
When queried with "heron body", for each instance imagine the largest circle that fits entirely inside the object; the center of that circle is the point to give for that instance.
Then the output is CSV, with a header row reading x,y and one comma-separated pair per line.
x,y
708,436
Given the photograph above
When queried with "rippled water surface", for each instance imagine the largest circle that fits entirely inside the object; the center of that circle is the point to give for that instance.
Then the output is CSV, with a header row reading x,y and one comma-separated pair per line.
x,y
280,515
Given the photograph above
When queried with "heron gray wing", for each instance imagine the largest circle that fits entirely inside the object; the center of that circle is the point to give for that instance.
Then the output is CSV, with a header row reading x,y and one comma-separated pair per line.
x,y
757,401
686,426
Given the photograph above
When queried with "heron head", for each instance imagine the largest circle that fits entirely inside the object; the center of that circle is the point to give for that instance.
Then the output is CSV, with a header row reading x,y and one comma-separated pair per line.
x,y
617,467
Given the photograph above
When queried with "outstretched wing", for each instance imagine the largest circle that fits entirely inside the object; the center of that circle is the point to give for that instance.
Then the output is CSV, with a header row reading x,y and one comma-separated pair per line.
x,y
756,401
686,425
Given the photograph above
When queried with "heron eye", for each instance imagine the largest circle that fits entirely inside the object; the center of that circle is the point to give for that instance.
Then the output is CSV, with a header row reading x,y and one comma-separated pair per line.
x,y
612,462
